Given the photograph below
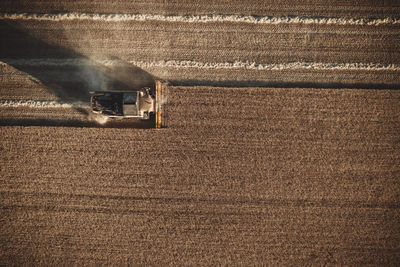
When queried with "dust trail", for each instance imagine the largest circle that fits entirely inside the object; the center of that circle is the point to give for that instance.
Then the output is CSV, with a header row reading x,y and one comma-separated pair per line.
x,y
207,65
201,18
98,118
42,104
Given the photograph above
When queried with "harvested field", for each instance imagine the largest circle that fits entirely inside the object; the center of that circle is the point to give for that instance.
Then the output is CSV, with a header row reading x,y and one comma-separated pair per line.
x,y
368,8
282,144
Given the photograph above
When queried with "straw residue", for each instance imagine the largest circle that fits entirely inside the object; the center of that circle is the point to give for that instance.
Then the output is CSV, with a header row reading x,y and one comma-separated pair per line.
x,y
201,18
205,65
41,104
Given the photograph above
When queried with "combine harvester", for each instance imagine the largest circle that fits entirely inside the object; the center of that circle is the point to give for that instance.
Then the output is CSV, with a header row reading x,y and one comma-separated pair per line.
x,y
144,104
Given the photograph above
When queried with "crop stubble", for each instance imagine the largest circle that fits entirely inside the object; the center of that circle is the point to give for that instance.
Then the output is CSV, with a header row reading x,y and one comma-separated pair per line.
x,y
369,8
212,42
273,175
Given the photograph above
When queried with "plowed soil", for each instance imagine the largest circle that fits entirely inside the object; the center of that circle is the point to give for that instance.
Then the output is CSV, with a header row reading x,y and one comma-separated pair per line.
x,y
290,166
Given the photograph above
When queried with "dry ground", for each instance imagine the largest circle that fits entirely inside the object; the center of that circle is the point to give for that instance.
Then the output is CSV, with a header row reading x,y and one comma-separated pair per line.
x,y
241,175
332,8
303,169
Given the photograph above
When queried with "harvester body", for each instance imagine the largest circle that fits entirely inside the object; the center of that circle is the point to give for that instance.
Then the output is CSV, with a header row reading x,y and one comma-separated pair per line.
x,y
143,104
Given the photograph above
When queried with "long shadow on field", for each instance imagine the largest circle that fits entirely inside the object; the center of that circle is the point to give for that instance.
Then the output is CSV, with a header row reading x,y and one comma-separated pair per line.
x,y
70,76
76,123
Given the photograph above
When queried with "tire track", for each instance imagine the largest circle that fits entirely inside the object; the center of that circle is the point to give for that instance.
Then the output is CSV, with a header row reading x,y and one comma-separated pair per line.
x,y
65,199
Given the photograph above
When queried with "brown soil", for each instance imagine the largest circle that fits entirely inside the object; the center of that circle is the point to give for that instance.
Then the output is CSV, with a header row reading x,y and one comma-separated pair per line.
x,y
284,176
303,170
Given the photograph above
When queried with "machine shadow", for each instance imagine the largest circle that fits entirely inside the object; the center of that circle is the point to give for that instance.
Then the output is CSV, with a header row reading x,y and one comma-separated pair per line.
x,y
70,76
76,123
